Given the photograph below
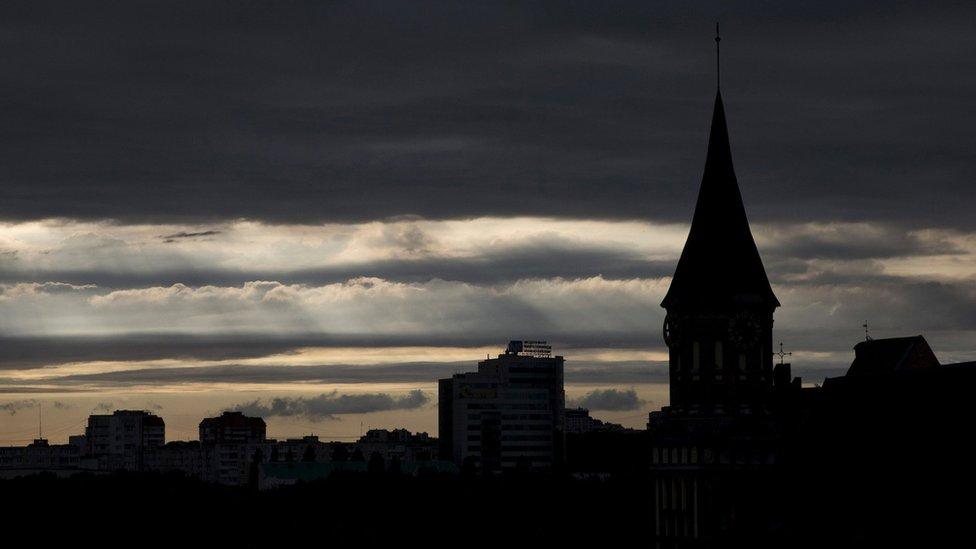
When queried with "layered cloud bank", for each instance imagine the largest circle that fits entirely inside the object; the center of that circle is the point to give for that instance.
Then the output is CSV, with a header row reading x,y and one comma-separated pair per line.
x,y
120,297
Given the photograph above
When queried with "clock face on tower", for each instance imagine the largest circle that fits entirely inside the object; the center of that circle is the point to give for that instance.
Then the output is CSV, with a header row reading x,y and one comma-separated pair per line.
x,y
670,331
745,331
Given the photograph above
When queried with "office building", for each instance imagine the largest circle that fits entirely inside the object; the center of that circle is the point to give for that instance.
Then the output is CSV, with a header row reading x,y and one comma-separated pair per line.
x,y
508,414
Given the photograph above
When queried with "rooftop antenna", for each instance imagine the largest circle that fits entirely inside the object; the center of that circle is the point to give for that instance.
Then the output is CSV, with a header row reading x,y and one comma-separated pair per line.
x,y
867,333
718,59
40,432
781,354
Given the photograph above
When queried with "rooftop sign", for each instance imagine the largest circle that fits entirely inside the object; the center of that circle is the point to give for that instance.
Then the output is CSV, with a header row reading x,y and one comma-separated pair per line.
x,y
540,349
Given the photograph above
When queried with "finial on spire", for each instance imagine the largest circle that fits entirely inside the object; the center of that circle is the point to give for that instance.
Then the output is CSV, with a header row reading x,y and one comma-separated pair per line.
x,y
718,59
782,354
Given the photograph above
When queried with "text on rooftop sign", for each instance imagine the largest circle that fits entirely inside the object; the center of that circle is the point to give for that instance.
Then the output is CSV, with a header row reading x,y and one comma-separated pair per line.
x,y
530,348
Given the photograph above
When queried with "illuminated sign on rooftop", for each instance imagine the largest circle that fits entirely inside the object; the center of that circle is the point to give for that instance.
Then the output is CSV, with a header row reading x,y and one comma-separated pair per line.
x,y
540,349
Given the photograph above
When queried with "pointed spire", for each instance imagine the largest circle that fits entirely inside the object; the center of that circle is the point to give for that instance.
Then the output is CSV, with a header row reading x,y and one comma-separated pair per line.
x,y
720,265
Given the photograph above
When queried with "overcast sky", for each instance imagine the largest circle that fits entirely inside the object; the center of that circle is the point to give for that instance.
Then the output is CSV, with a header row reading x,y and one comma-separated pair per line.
x,y
316,209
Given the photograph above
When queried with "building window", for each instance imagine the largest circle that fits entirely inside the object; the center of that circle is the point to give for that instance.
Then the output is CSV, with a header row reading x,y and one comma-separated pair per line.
x,y
718,355
695,356
742,361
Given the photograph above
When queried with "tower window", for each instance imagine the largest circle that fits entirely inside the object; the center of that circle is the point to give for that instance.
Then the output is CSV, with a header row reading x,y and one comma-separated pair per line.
x,y
695,356
742,361
718,355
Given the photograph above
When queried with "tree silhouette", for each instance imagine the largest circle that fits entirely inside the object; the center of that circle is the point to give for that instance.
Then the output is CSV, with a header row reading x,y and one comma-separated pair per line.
x,y
469,466
377,465
339,452
254,470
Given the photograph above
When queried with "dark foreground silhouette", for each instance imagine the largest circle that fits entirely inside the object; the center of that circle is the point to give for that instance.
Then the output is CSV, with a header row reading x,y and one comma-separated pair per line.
x,y
873,484
358,509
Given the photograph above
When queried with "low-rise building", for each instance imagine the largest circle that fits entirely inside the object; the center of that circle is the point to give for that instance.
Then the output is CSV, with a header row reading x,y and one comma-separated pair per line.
x,y
579,421
39,456
398,443
179,456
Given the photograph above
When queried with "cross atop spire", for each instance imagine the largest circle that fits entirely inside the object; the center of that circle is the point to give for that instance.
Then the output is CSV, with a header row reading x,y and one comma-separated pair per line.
x,y
718,59
781,354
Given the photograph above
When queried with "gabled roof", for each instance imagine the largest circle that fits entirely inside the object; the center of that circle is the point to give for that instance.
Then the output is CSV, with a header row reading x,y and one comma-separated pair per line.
x,y
896,354
720,264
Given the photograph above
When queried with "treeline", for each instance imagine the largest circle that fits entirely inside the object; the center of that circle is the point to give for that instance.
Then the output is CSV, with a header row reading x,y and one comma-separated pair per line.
x,y
137,510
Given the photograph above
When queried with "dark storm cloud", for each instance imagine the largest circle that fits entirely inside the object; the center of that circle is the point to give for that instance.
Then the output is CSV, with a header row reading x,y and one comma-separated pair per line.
x,y
404,372
529,260
580,372
28,389
331,405
852,242
143,111
184,235
18,353
36,352
416,372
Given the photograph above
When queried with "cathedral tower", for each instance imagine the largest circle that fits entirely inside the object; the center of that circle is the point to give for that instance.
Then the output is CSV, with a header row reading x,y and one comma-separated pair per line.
x,y
720,305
